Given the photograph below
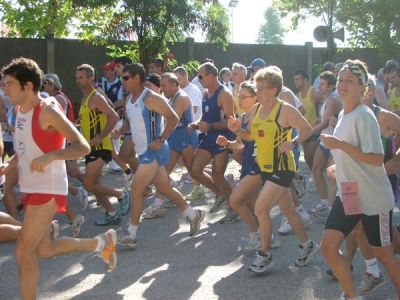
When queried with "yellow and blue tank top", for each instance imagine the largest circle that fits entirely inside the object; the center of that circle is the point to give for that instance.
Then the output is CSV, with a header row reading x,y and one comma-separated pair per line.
x,y
269,135
394,102
92,123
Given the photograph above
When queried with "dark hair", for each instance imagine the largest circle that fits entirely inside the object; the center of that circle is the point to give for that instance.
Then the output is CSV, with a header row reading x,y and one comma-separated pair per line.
x,y
210,68
389,67
329,77
301,72
159,63
123,60
181,71
397,70
24,70
249,86
136,69
89,70
207,60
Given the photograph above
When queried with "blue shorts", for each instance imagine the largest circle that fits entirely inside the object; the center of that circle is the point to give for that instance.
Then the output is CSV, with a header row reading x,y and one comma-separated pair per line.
x,y
249,167
180,139
326,151
162,156
209,141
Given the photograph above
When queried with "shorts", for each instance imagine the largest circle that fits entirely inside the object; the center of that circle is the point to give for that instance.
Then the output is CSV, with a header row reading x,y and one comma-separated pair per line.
x,y
249,167
378,228
282,178
313,138
180,139
39,199
105,155
394,182
209,143
325,151
162,156
8,146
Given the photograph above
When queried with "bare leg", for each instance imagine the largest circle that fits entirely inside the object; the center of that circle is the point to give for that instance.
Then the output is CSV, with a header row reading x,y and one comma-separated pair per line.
x,y
309,149
319,165
73,170
386,257
219,164
127,153
11,199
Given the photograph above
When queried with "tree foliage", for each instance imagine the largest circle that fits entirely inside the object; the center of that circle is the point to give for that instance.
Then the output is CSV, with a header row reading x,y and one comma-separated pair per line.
x,y
271,31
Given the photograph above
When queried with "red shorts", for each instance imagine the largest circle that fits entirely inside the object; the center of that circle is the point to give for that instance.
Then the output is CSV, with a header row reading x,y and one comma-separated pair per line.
x,y
38,199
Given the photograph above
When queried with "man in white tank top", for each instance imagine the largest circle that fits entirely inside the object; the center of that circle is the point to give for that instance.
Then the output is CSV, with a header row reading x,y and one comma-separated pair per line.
x,y
41,130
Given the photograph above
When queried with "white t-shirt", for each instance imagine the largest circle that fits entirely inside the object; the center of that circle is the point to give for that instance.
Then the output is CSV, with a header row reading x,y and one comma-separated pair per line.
x,y
195,96
360,128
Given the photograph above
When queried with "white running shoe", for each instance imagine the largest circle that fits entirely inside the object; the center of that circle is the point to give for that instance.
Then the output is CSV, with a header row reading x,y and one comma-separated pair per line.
x,y
82,198
76,225
285,226
262,262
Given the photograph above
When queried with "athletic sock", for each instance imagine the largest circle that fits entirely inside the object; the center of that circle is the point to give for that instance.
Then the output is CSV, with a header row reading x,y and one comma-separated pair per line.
x,y
132,231
307,244
101,243
372,267
302,212
158,202
113,213
325,202
190,213
128,171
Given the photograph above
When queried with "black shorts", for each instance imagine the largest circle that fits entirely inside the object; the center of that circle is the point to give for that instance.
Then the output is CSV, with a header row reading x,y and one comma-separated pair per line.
x,y
313,138
282,178
105,155
378,228
8,146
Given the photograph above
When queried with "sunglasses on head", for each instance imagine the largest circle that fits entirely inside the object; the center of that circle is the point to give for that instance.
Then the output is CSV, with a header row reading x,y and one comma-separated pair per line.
x,y
156,62
201,77
125,78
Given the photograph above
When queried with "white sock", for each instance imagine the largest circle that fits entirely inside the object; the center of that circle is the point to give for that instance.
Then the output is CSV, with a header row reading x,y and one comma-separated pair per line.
x,y
190,212
113,213
373,268
325,201
302,212
158,202
132,231
101,243
307,244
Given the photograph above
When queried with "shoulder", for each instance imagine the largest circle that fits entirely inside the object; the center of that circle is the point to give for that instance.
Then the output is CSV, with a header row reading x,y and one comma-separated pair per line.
x,y
50,106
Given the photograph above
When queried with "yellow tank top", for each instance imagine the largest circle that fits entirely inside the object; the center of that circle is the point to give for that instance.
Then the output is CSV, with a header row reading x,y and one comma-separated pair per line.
x,y
92,123
269,135
310,114
394,102
235,92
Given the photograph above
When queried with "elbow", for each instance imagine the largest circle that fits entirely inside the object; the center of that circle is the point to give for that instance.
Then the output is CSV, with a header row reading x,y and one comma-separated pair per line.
x,y
85,148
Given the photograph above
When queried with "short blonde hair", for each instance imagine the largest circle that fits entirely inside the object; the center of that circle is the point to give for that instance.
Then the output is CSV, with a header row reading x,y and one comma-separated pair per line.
x,y
272,76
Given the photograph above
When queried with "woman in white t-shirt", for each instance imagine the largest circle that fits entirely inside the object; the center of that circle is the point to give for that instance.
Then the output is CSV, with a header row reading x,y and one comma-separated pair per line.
x,y
364,192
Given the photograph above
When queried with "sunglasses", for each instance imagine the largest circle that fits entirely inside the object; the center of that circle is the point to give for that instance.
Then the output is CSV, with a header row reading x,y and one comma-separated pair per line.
x,y
254,70
156,62
125,78
201,77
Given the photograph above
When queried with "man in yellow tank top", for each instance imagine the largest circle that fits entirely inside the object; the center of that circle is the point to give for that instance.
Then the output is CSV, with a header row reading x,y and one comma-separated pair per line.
x,y
393,95
97,120
310,98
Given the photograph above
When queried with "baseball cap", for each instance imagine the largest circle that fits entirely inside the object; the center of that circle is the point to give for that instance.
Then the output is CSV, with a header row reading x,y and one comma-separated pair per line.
x,y
55,80
258,62
110,65
154,79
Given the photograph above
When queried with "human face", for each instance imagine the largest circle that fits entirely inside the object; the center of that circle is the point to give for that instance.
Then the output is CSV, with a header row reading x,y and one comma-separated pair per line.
x,y
238,76
349,87
82,80
226,77
323,87
48,87
118,69
152,86
182,79
394,80
167,88
264,91
253,72
299,81
13,90
128,81
109,74
204,77
246,100
155,68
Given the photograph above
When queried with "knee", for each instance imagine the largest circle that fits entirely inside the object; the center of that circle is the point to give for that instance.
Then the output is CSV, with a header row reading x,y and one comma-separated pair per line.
x,y
23,252
326,249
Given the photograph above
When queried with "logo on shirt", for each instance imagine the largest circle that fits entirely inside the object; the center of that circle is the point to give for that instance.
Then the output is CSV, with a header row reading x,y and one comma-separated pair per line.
x,y
206,109
20,125
261,133
267,167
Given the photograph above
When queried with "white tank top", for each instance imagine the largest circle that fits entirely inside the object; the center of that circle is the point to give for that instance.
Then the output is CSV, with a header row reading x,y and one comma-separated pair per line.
x,y
33,142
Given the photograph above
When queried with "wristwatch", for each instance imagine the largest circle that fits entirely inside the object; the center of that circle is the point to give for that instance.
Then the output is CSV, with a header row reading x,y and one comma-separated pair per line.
x,y
295,143
161,139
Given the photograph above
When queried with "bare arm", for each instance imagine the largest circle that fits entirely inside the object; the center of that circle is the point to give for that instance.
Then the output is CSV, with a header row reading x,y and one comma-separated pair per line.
x,y
63,102
101,91
381,98
333,107
316,97
288,98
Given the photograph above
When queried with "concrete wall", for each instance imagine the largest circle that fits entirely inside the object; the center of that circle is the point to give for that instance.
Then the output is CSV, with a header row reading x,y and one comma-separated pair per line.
x,y
71,53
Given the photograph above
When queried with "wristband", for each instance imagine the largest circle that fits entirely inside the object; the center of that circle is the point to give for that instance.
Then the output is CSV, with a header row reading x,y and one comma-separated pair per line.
x,y
295,143
227,145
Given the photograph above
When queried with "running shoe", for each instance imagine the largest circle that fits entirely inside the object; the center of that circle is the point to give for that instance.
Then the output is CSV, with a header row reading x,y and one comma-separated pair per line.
x,y
370,283
129,180
196,194
168,203
307,221
116,171
230,217
82,198
153,212
218,203
125,202
231,180
176,184
330,272
254,241
344,297
322,213
306,254
76,225
109,220
317,208
54,229
285,226
274,243
262,262
108,253
149,191
302,185
185,178
127,241
196,222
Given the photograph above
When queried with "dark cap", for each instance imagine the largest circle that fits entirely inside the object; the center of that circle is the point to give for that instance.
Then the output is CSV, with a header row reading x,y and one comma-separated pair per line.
x,y
258,62
154,79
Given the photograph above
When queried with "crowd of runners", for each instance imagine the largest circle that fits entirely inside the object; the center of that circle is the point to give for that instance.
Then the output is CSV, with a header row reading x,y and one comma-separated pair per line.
x,y
143,124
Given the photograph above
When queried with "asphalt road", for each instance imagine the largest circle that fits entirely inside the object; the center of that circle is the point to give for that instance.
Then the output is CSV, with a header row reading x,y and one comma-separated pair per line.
x,y
169,265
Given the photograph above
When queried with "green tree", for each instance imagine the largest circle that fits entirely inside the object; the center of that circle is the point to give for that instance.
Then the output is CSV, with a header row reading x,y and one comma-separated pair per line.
x,y
271,31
